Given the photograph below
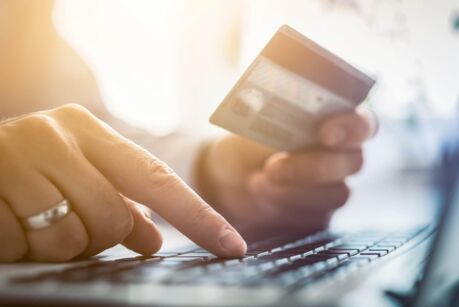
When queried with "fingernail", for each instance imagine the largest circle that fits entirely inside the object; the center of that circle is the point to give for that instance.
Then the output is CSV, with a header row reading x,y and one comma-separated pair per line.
x,y
335,136
232,242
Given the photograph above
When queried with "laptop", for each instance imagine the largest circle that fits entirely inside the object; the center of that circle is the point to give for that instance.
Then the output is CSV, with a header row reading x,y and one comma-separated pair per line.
x,y
414,266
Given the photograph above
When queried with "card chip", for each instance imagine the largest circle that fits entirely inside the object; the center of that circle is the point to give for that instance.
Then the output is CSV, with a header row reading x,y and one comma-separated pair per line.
x,y
290,87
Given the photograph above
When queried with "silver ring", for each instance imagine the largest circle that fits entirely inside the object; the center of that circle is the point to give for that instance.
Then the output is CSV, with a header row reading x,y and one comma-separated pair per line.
x,y
47,218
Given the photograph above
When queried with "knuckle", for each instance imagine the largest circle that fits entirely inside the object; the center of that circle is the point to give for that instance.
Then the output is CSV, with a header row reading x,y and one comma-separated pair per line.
x,y
43,133
161,174
73,110
38,122
76,116
41,127
160,167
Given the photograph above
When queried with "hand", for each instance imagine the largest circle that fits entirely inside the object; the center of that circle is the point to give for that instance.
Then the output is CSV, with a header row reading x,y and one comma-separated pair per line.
x,y
67,153
252,185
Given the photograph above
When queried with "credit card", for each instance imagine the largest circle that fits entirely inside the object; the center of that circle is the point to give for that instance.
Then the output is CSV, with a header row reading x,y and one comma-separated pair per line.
x,y
288,89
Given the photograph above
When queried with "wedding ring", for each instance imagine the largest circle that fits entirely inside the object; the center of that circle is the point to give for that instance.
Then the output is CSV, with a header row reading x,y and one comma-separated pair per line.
x,y
47,218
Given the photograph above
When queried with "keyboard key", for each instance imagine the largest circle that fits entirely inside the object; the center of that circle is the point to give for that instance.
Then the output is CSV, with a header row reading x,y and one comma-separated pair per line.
x,y
267,244
308,247
184,259
200,262
197,254
396,244
378,252
326,259
358,248
166,254
367,258
272,257
281,261
290,278
294,266
274,260
232,262
389,248
275,250
296,257
256,262
350,252
266,253
338,255
266,266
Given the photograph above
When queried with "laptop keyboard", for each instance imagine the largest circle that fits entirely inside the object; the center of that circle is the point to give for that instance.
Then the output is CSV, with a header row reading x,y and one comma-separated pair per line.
x,y
272,261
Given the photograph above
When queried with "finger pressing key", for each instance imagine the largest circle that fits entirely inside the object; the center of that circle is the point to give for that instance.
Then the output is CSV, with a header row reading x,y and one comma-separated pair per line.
x,y
140,176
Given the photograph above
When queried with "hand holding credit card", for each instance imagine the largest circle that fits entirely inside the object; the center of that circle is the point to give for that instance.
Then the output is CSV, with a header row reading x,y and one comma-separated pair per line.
x,y
291,86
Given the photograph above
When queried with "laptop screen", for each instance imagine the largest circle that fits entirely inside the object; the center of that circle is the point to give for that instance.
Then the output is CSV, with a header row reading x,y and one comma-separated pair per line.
x,y
440,285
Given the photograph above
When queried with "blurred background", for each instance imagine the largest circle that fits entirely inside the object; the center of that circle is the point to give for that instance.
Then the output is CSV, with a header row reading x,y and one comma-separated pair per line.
x,y
166,64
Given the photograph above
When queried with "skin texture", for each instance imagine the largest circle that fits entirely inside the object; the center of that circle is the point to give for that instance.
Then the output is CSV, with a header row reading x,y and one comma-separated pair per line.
x,y
69,153
252,185
113,184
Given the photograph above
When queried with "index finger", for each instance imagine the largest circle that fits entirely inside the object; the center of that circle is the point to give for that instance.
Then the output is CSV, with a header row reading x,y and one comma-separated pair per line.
x,y
145,179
